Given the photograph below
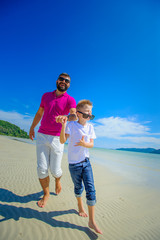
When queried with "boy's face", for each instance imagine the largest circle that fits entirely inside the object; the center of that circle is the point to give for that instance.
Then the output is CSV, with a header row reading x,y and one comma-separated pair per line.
x,y
86,110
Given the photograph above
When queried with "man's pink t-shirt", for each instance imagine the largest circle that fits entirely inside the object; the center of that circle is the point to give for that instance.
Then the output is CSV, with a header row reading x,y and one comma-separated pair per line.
x,y
53,106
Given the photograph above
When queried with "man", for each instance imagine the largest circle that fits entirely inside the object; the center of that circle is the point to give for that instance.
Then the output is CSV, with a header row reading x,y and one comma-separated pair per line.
x,y
54,105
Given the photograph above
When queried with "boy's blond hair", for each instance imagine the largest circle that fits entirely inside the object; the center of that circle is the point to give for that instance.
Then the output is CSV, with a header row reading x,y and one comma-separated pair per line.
x,y
82,103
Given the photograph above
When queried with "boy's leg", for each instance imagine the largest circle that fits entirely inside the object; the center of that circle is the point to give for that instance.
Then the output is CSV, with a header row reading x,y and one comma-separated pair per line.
x,y
88,180
76,175
92,224
81,210
90,194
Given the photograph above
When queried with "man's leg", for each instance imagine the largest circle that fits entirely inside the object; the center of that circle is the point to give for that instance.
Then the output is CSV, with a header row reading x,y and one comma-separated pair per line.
x,y
45,186
56,155
43,152
58,186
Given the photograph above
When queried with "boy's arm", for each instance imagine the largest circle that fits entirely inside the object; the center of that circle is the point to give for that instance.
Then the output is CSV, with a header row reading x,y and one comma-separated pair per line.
x,y
63,135
85,144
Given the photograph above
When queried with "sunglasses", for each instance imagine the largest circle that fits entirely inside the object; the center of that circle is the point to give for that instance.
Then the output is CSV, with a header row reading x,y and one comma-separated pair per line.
x,y
85,115
64,79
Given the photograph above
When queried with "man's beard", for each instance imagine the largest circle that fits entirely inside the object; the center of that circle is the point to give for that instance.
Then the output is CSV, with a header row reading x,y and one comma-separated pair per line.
x,y
62,88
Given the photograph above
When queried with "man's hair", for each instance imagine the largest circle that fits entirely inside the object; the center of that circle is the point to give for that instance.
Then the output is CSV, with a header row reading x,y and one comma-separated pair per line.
x,y
82,103
65,74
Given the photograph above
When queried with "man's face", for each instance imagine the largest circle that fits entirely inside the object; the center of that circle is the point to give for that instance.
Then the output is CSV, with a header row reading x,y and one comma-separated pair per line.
x,y
63,83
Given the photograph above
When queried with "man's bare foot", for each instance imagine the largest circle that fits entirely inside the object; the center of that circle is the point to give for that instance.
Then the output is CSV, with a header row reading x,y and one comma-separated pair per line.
x,y
94,226
42,202
58,186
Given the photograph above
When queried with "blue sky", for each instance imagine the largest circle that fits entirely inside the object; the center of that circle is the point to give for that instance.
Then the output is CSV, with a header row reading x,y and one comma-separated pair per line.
x,y
111,49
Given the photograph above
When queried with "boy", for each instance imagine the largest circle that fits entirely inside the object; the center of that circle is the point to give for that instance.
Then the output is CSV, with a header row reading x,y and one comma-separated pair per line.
x,y
81,137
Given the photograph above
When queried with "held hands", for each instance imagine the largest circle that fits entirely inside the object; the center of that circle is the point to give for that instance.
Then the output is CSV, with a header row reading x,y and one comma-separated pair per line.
x,y
61,119
81,142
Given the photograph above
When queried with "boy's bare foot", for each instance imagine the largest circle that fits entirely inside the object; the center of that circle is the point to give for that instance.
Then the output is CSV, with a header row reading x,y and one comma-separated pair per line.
x,y
83,214
42,202
58,186
94,226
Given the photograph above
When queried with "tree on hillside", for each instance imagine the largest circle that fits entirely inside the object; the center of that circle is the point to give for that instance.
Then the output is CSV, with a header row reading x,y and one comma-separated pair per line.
x,y
9,129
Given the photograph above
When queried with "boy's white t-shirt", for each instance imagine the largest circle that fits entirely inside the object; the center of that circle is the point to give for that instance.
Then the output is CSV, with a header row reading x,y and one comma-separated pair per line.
x,y
77,154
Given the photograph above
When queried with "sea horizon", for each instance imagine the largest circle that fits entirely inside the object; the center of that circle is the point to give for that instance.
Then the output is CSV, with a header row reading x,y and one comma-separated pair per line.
x,y
138,167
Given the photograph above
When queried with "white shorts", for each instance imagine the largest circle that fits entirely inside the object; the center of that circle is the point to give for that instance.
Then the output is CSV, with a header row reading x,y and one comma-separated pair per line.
x,y
49,155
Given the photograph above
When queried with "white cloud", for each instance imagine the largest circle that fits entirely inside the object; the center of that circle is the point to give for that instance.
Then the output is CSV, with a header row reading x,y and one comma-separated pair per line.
x,y
124,129
111,132
116,126
23,121
142,139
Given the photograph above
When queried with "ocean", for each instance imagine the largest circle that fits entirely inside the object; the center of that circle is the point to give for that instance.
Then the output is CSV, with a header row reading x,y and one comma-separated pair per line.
x,y
140,168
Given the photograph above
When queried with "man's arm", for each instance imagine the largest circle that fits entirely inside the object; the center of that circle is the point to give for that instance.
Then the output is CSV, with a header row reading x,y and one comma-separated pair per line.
x,y
36,120
72,116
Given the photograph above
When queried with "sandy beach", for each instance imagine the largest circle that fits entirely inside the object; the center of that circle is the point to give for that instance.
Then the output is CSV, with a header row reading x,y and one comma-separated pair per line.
x,y
124,211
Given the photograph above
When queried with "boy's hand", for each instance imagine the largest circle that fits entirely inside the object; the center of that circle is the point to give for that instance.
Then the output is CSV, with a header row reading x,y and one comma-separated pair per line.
x,y
81,142
61,119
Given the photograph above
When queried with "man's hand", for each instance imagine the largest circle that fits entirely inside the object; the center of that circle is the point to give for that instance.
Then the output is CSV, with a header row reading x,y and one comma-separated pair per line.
x,y
72,117
81,142
61,119
31,133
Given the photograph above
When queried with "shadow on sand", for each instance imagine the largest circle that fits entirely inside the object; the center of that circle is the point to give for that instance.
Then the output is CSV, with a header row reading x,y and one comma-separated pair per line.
x,y
8,196
12,212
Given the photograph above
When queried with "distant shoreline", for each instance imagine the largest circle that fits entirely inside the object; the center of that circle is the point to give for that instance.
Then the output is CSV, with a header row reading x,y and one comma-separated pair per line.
x,y
142,150
24,140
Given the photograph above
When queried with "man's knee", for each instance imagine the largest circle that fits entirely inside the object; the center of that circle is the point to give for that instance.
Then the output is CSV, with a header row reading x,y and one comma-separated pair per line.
x,y
42,173
56,174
